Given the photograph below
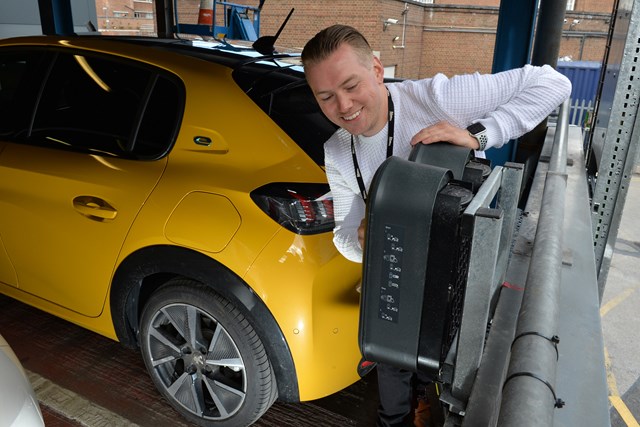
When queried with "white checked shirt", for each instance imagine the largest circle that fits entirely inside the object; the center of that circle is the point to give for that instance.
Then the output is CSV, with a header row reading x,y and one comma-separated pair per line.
x,y
508,104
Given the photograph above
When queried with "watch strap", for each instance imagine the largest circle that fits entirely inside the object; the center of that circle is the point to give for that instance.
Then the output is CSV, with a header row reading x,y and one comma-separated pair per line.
x,y
479,132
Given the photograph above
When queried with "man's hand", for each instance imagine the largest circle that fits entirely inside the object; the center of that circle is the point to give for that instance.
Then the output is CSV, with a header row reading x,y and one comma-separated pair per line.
x,y
361,232
445,132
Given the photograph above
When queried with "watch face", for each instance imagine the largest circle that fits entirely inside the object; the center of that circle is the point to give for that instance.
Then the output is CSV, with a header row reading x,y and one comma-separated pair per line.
x,y
476,128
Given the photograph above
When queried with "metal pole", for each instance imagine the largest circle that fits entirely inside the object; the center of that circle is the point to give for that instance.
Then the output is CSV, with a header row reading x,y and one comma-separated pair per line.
x,y
514,37
529,397
164,18
549,32
55,17
546,48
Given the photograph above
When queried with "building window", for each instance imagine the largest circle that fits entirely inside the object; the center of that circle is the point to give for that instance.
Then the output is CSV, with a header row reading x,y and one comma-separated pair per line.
x,y
144,15
143,1
571,4
120,14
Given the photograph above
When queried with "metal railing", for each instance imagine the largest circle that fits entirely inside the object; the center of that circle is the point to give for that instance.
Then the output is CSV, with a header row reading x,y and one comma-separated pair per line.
x,y
529,397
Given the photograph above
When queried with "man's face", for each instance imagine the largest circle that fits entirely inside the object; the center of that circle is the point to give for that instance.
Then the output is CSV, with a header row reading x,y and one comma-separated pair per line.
x,y
350,93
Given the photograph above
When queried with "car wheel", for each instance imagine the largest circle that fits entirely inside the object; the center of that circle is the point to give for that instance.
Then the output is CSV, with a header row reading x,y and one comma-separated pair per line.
x,y
205,357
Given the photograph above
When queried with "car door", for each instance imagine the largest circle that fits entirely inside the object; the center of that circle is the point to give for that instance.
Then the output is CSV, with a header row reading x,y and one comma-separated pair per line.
x,y
7,272
70,190
20,73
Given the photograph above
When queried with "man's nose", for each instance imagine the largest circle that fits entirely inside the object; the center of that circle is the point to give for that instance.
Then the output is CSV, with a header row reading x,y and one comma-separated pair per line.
x,y
344,103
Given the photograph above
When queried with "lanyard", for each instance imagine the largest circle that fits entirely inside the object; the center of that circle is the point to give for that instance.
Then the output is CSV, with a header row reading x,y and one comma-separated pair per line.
x,y
363,190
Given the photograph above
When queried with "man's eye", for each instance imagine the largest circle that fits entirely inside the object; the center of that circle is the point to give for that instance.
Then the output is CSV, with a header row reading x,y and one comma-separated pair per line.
x,y
326,98
352,88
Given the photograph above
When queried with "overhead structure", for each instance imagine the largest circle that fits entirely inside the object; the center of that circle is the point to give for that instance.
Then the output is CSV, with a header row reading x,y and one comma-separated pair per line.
x,y
220,19
613,148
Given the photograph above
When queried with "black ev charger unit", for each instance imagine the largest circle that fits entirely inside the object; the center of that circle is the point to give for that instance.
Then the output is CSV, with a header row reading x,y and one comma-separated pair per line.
x,y
461,161
416,257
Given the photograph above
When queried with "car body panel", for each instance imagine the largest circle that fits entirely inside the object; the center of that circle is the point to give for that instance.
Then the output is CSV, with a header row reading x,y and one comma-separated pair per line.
x,y
43,205
317,320
195,222
7,272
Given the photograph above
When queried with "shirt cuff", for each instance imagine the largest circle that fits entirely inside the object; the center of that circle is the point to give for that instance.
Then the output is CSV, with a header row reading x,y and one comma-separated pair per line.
x,y
494,135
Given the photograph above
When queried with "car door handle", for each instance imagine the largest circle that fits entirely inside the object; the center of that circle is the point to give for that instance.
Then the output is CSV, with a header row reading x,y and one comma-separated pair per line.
x,y
94,208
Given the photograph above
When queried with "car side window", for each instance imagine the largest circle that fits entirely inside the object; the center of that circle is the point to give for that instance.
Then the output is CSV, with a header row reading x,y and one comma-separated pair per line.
x,y
18,89
109,107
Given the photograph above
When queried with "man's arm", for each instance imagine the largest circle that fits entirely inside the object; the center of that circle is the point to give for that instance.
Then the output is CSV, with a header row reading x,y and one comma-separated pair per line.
x,y
508,104
348,211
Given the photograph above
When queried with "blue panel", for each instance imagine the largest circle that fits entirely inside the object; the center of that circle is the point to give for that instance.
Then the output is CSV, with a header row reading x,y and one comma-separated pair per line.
x,y
584,76
514,37
62,17
242,27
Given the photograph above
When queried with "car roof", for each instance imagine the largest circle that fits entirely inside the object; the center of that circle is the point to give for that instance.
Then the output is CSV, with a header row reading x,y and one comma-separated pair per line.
x,y
233,54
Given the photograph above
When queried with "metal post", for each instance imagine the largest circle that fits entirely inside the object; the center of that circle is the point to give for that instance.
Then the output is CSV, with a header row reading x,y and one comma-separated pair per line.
x,y
549,32
615,135
164,18
545,51
514,37
56,17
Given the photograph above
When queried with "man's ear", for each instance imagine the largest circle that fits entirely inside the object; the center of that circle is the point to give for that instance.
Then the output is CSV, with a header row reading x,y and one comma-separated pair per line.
x,y
378,69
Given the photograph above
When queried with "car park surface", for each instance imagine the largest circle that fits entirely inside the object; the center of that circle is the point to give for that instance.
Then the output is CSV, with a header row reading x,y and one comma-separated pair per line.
x,y
172,197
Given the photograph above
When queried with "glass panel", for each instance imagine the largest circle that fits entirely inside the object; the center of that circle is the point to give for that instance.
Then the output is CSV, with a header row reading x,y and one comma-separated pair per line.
x,y
17,90
94,104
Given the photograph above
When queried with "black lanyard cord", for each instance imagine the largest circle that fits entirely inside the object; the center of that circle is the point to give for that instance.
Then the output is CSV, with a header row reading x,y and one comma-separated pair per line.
x,y
356,168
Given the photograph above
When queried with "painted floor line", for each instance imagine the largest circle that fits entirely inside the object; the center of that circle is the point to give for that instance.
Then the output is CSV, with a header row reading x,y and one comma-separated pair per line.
x,y
74,406
614,395
615,301
624,411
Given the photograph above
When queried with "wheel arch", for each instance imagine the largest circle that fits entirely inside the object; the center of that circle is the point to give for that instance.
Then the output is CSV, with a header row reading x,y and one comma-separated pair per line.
x,y
146,269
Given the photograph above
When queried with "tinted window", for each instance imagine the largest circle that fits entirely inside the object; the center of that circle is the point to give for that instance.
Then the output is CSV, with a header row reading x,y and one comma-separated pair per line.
x,y
18,89
99,105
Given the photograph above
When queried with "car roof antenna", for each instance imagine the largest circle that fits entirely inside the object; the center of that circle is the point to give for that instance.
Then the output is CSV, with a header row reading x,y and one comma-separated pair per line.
x,y
266,44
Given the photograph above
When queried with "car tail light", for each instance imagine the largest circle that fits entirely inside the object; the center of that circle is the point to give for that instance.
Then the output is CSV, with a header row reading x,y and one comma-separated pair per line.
x,y
301,208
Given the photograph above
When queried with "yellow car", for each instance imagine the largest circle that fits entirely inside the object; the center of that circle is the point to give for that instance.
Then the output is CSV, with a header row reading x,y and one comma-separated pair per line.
x,y
171,195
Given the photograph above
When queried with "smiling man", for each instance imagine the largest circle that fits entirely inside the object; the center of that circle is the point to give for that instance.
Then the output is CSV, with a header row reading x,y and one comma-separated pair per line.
x,y
378,120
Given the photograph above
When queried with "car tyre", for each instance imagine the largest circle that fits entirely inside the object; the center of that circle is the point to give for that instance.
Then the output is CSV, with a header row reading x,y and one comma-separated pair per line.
x,y
205,357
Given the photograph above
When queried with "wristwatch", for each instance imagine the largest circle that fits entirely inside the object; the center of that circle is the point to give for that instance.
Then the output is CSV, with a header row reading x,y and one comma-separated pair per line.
x,y
479,132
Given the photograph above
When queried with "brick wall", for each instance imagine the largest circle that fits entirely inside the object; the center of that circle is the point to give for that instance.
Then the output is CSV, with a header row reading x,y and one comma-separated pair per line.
x,y
602,6
125,17
495,3
458,40
450,36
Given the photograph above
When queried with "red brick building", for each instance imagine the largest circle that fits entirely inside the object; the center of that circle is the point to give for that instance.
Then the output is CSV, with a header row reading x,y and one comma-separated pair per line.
x,y
414,38
126,17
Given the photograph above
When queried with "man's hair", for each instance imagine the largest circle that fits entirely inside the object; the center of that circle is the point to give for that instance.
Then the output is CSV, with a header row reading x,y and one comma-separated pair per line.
x,y
323,44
